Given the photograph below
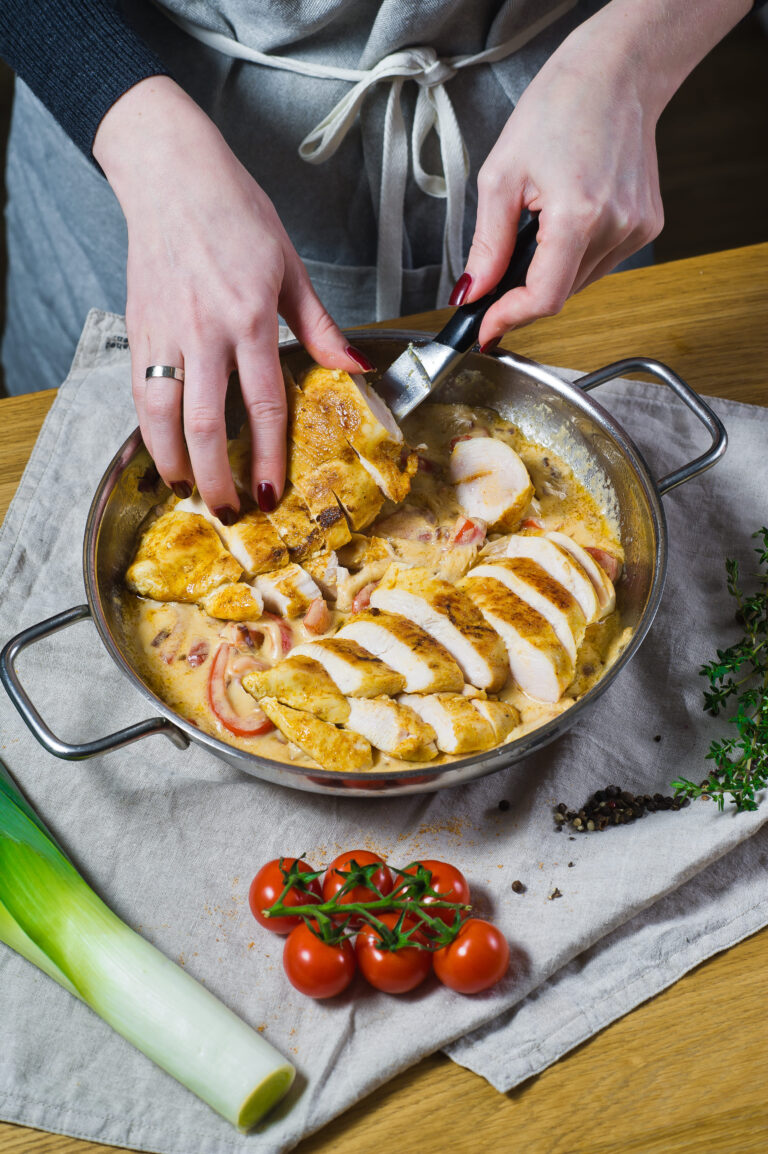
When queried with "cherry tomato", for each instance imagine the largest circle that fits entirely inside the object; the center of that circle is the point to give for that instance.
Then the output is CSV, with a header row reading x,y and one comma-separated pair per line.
x,y
476,960
449,882
316,968
393,971
267,887
333,880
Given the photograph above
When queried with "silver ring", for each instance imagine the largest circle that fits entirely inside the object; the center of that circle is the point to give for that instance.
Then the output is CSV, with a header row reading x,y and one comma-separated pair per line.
x,y
164,371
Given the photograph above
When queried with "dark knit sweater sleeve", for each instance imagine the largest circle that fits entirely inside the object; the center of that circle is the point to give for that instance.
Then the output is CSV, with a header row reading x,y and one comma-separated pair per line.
x,y
77,56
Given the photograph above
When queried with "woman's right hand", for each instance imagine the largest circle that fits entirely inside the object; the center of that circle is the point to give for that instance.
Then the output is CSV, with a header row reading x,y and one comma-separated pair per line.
x,y
209,267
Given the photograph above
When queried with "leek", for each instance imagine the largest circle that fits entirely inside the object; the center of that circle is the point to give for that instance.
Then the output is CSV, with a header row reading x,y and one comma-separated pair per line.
x,y
51,916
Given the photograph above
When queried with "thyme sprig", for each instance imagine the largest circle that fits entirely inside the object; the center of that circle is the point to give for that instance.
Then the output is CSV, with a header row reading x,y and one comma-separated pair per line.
x,y
739,672
426,928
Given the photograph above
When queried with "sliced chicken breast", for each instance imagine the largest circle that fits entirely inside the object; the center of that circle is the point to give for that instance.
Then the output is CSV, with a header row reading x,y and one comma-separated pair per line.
x,y
314,488
367,424
330,747
606,594
295,525
180,558
548,597
426,665
356,672
539,663
327,461
234,602
392,728
500,715
303,684
325,571
251,540
288,591
458,726
560,565
491,481
449,616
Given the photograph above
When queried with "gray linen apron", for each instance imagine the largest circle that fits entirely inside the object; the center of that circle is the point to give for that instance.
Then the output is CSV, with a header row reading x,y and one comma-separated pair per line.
x,y
67,238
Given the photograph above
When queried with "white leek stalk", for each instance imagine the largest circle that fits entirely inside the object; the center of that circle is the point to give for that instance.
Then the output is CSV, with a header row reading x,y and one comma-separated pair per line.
x,y
50,915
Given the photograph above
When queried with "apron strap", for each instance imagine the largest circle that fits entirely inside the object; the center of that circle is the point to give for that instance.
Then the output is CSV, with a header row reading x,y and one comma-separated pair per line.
x,y
434,112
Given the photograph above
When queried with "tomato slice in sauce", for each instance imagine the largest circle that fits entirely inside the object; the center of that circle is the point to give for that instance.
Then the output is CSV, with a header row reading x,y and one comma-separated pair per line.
x,y
246,725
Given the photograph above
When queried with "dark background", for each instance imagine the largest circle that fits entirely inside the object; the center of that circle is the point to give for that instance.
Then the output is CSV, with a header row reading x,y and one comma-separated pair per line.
x,y
712,143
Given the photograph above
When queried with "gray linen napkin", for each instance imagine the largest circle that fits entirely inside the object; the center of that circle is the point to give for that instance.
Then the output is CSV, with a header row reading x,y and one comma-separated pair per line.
x,y
171,839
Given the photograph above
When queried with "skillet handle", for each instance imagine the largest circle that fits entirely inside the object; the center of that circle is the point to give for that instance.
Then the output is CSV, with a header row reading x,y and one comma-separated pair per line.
x,y
42,732
698,407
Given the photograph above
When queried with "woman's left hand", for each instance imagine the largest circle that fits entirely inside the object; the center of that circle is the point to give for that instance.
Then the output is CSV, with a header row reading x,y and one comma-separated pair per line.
x,y
580,150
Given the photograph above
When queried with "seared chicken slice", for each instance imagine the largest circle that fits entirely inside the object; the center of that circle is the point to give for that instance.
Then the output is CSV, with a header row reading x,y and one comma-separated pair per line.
x,y
251,540
357,672
367,424
294,523
539,663
606,594
500,715
288,591
330,747
548,597
302,683
392,728
450,617
458,725
235,602
559,565
325,571
180,558
314,487
491,481
426,665
327,462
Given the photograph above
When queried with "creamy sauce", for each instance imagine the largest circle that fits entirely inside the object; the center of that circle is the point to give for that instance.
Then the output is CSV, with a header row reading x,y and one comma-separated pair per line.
x,y
175,644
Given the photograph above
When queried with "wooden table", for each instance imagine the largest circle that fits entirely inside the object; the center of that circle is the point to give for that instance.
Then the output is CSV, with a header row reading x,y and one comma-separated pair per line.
x,y
686,1072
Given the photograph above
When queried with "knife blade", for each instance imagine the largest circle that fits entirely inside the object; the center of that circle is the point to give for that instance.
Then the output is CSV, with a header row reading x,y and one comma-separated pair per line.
x,y
419,370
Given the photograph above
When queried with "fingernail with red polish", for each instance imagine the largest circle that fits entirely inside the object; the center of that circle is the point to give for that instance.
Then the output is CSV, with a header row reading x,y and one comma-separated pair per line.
x,y
226,514
460,289
266,496
360,358
489,346
182,489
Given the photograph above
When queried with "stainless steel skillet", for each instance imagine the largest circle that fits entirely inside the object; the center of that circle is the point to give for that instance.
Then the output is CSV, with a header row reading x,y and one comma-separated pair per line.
x,y
557,414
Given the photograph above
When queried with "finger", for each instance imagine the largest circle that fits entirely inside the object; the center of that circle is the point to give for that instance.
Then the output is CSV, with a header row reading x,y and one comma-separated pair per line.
x,y
263,389
313,326
499,204
600,267
205,388
139,346
549,281
162,404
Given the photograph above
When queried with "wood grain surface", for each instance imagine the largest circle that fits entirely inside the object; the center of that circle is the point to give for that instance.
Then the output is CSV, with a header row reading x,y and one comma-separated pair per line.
x,y
684,1073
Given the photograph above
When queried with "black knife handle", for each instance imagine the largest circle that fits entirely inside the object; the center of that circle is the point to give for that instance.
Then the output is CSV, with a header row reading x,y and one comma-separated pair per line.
x,y
462,329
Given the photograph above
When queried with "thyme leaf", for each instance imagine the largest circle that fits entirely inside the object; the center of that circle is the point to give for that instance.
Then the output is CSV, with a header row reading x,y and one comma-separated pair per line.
x,y
740,672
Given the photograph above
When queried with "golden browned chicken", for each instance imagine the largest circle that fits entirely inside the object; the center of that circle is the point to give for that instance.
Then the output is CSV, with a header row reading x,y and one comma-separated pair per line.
x,y
491,481
289,591
426,665
331,748
367,425
458,726
537,659
180,558
251,540
314,487
449,616
296,526
392,728
356,672
302,683
234,602
548,597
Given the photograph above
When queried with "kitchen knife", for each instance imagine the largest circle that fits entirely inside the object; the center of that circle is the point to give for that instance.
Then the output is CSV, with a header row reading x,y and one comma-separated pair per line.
x,y
420,369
